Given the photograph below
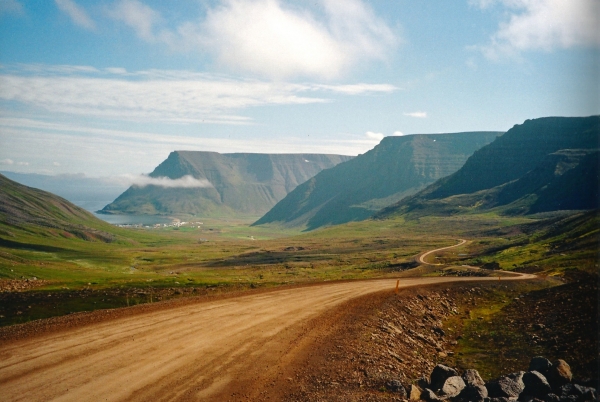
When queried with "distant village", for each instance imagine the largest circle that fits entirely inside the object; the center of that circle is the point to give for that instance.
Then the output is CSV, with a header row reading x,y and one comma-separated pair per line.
x,y
196,225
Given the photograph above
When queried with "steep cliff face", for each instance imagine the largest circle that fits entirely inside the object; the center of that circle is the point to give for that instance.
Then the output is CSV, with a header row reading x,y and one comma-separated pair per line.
x,y
247,184
517,152
542,165
354,190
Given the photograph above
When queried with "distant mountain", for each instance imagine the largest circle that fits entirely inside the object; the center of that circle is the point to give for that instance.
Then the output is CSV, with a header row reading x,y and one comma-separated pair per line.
x,y
242,183
394,169
34,211
86,192
542,165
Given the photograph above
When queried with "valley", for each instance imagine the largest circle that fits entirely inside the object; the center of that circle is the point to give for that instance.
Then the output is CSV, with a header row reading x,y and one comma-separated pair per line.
x,y
223,284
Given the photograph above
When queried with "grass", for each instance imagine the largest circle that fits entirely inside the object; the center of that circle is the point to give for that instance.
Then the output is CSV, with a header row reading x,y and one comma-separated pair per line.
x,y
486,344
232,254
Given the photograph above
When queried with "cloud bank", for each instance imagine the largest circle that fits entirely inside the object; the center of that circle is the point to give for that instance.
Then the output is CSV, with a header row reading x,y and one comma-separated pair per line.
x,y
543,25
158,95
187,181
271,38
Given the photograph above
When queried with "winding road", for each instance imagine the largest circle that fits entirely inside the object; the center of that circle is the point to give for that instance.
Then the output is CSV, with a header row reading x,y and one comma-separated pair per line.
x,y
196,352
422,257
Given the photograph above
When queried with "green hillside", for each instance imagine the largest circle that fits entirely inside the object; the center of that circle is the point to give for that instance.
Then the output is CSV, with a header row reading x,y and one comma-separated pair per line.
x,y
246,184
396,168
26,209
546,164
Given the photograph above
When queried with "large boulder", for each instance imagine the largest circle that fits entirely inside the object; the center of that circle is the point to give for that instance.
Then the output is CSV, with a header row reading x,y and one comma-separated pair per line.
x,y
429,396
509,386
540,364
472,378
439,375
414,393
452,387
396,387
536,384
559,374
477,393
577,392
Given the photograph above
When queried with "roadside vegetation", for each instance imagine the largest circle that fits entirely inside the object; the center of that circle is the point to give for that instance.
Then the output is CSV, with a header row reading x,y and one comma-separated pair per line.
x,y
58,273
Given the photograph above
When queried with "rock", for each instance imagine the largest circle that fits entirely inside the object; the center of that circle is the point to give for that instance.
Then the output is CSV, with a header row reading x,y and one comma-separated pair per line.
x,y
559,374
439,331
539,326
540,364
589,394
397,387
440,374
452,386
476,393
582,393
508,386
565,390
529,398
415,393
552,398
428,395
472,378
500,399
536,384
423,383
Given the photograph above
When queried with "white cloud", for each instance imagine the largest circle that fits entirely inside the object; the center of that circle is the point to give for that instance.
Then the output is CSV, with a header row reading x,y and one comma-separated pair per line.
x,y
419,115
272,38
116,70
374,136
55,164
543,25
7,162
22,163
11,7
187,181
137,16
398,133
77,14
357,89
159,95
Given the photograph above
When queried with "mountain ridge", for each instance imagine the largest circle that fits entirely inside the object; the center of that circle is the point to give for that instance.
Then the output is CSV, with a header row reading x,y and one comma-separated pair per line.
x,y
542,165
356,189
241,183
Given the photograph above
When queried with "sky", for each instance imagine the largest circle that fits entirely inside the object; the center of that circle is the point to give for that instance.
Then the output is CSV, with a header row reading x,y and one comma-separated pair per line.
x,y
108,88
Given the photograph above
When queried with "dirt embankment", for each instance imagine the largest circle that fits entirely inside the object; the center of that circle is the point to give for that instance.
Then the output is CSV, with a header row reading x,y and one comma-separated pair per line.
x,y
384,337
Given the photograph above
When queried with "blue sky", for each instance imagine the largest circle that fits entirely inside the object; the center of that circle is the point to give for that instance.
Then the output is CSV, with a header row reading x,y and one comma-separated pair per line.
x,y
110,87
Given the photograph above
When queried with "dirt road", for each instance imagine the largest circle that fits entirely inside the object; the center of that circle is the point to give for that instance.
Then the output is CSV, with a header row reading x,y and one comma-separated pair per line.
x,y
206,351
422,257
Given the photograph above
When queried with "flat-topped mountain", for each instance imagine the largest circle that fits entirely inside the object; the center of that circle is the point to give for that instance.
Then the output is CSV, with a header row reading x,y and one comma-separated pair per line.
x,y
394,169
240,183
542,165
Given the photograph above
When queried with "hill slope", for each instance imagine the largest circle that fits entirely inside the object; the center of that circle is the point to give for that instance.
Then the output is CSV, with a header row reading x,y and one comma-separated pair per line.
x,y
354,190
86,192
247,184
40,212
542,165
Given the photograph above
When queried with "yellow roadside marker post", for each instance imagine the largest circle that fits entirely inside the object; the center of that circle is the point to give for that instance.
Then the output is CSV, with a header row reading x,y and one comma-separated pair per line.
x,y
397,284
